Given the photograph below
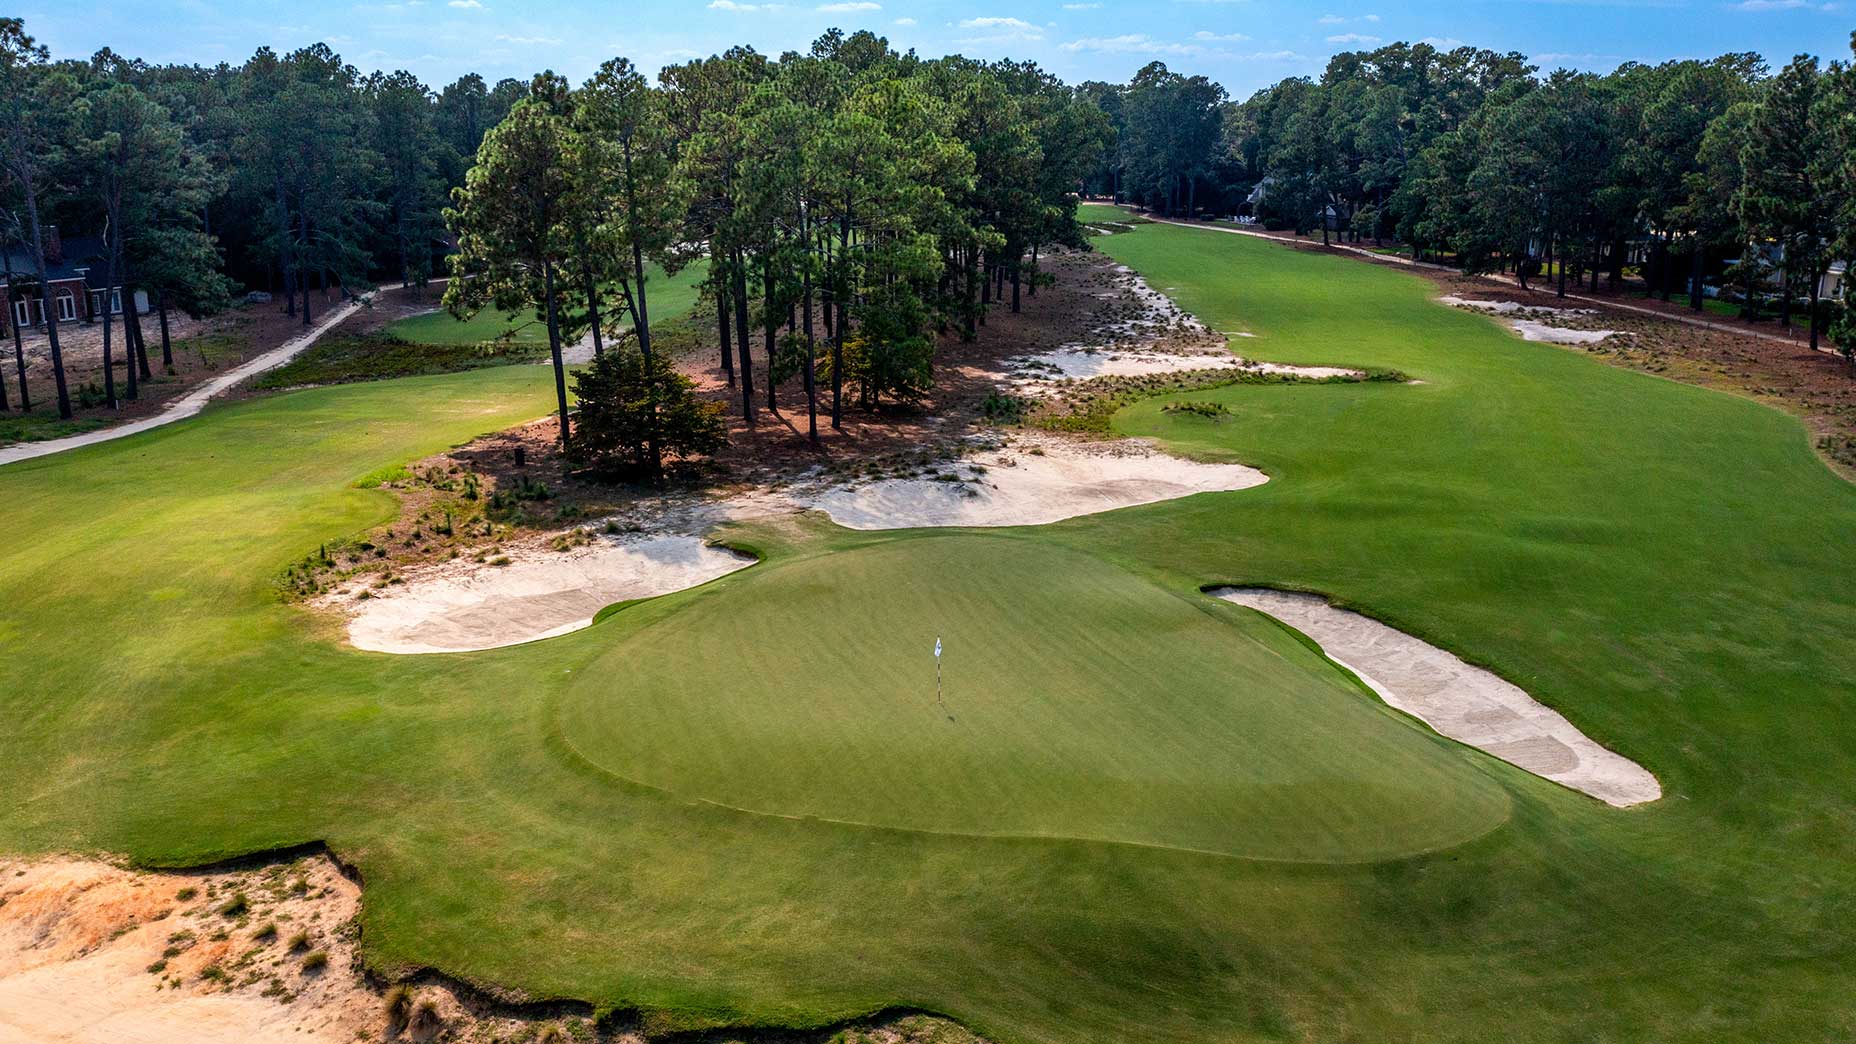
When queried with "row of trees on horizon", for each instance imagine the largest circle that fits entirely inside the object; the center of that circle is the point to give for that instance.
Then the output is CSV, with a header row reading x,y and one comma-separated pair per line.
x,y
850,202
1673,169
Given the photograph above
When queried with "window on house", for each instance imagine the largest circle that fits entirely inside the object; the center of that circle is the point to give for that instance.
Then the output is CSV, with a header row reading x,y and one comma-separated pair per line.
x,y
67,306
22,312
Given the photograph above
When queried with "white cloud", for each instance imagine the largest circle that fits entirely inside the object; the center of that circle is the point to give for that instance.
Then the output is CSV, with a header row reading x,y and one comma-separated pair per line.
x,y
849,7
1442,43
993,29
466,5
1782,5
1131,43
528,41
731,5
1353,38
1334,19
1219,37
905,21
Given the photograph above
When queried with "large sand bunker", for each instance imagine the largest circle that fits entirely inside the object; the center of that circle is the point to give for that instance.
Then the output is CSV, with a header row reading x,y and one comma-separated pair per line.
x,y
1040,374
458,607
1467,704
1032,482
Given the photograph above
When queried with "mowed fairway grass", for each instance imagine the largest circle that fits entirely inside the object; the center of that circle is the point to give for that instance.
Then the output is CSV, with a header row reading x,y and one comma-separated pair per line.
x,y
1153,817
669,296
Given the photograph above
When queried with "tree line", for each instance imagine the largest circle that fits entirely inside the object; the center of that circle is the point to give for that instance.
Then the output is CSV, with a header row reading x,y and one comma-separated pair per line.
x,y
850,203
1672,170
288,173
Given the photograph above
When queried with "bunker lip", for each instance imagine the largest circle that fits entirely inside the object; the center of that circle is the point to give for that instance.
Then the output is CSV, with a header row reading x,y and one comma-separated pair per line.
x,y
1465,703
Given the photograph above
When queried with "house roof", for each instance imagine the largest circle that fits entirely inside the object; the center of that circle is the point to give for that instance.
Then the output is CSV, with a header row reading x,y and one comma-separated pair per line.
x,y
79,252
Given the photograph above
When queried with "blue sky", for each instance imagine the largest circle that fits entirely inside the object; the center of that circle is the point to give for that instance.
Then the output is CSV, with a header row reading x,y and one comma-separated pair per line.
x,y
1244,44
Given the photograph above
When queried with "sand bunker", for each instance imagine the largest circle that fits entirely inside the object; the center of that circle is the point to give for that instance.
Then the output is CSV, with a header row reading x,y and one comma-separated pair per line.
x,y
1467,704
462,606
1043,373
1534,329
1032,482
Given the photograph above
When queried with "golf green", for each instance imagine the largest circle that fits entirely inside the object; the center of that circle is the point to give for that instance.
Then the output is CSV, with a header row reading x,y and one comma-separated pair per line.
x,y
1079,701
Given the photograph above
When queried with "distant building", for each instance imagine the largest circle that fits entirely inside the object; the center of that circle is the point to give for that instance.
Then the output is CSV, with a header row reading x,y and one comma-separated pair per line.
x,y
81,286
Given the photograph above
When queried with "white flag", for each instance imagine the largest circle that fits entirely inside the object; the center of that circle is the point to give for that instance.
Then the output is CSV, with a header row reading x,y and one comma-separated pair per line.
x,y
937,646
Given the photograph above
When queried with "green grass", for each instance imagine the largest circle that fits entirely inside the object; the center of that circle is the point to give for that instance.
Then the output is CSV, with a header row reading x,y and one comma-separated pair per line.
x,y
1664,564
669,296
42,423
341,359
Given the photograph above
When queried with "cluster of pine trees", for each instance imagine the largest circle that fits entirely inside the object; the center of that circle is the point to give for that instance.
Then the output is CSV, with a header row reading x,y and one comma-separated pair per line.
x,y
286,173
850,202
1672,170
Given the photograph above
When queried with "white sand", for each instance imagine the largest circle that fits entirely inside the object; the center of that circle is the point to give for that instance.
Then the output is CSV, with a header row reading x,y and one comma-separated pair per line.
x,y
460,606
1511,307
1533,331
1044,372
1465,703
1033,482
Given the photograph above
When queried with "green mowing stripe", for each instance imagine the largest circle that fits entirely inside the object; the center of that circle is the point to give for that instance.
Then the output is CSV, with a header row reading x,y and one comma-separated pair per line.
x,y
1665,565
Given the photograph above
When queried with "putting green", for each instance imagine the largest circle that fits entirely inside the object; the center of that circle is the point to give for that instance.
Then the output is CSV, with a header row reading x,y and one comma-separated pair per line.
x,y
1080,701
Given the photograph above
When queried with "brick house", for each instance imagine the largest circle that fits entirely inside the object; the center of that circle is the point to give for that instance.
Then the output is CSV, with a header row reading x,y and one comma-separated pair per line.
x,y
81,285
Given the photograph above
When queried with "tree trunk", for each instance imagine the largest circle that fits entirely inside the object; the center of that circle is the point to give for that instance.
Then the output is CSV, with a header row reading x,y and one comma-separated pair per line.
x,y
45,301
167,344
1032,290
1817,279
770,319
286,251
973,293
740,272
109,361
642,310
554,350
844,315
592,313
1015,282
1561,260
805,298
721,315
303,277
1785,306
19,345
1695,269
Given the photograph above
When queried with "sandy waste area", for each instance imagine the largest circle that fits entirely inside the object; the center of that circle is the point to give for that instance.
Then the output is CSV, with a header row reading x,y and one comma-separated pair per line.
x,y
1468,704
1536,322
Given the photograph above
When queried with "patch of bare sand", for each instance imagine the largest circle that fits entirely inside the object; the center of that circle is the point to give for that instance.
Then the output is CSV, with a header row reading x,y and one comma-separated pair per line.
x,y
95,954
1465,703
528,593
1536,322
1032,481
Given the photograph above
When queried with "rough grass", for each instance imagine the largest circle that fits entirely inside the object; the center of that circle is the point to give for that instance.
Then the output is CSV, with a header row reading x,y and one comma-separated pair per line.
x,y
341,359
1662,563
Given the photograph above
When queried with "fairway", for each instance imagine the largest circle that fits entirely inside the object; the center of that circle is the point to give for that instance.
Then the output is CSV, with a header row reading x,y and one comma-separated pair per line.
x,y
1154,816
670,297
